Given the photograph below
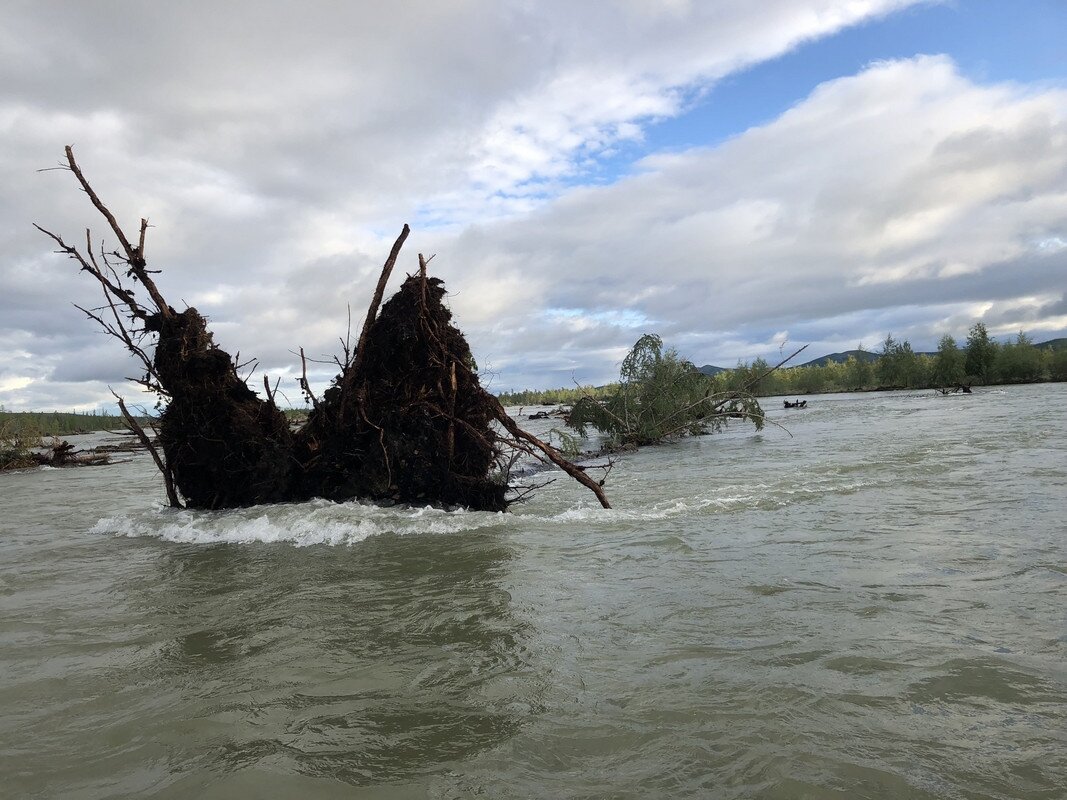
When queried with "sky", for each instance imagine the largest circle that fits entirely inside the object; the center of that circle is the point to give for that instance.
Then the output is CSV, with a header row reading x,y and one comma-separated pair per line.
x,y
741,178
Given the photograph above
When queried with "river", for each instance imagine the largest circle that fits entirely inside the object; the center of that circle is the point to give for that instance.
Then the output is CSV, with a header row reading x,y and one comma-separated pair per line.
x,y
869,604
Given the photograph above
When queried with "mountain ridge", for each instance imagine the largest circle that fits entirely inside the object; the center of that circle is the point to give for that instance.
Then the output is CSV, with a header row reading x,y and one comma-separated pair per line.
x,y
866,355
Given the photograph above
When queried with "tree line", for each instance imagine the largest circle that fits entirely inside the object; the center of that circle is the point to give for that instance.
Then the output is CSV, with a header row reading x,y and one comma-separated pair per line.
x,y
980,360
556,397
58,423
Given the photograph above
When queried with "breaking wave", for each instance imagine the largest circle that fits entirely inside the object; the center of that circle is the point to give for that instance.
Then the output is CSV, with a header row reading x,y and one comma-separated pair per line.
x,y
300,524
321,522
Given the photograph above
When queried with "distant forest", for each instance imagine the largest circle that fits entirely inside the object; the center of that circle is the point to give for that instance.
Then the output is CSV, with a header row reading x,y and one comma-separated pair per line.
x,y
57,423
979,361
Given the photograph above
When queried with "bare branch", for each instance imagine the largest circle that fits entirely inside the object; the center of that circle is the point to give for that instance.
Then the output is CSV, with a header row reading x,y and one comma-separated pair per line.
x,y
755,381
376,301
168,478
553,454
73,252
305,387
133,255
347,343
140,242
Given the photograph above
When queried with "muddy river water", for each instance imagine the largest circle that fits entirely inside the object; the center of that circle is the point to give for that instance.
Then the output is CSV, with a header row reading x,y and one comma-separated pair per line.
x,y
874,606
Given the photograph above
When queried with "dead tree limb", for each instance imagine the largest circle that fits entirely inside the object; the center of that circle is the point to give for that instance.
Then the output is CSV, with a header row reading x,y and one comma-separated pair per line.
x,y
168,477
376,300
134,255
305,387
70,250
551,452
755,381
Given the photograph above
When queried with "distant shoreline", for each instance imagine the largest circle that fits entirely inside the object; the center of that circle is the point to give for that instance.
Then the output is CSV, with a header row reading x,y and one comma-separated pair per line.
x,y
542,397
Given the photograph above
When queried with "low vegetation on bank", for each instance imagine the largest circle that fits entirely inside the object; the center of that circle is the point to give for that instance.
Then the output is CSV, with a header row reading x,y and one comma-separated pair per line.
x,y
556,397
980,361
58,423
18,446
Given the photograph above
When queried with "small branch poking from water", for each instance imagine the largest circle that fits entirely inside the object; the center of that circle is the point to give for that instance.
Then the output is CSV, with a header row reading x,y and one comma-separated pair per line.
x,y
168,478
765,419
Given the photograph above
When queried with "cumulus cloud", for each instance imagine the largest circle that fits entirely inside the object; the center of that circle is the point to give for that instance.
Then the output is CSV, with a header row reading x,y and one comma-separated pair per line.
x,y
892,199
276,151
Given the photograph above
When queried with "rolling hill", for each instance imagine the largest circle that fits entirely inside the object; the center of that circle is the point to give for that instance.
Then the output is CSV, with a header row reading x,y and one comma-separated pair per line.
x,y
866,355
839,358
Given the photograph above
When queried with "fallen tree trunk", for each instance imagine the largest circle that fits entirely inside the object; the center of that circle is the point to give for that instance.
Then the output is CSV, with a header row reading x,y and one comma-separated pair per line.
x,y
406,420
17,452
63,454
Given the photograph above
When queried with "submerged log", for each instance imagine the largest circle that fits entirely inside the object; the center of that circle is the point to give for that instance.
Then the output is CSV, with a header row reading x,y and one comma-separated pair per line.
x,y
959,388
406,420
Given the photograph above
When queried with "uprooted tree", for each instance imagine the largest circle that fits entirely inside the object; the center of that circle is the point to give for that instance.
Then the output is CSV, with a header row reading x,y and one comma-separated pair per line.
x,y
406,419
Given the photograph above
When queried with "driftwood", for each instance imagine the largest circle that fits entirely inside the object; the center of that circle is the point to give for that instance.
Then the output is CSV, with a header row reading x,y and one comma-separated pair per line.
x,y
959,388
406,420
61,453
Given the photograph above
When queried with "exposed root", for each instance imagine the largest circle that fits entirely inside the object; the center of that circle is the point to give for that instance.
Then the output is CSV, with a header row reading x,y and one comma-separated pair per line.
x,y
406,419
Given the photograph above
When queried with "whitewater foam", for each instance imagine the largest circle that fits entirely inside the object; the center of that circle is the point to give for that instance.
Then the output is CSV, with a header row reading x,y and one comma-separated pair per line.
x,y
320,522
300,524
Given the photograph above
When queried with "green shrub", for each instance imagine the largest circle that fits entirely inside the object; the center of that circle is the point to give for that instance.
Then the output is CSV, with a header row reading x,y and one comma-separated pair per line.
x,y
660,397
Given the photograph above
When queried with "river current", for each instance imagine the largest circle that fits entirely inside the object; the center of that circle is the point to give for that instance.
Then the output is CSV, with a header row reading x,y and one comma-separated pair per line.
x,y
869,604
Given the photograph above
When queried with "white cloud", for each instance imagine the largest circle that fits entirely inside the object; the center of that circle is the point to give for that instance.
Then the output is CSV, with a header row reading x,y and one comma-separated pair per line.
x,y
277,149
906,184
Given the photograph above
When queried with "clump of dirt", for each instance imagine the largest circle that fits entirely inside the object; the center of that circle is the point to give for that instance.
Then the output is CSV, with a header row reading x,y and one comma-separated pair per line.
x,y
224,445
409,422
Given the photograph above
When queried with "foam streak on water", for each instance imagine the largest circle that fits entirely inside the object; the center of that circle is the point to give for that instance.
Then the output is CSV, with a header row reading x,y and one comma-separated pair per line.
x,y
873,608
